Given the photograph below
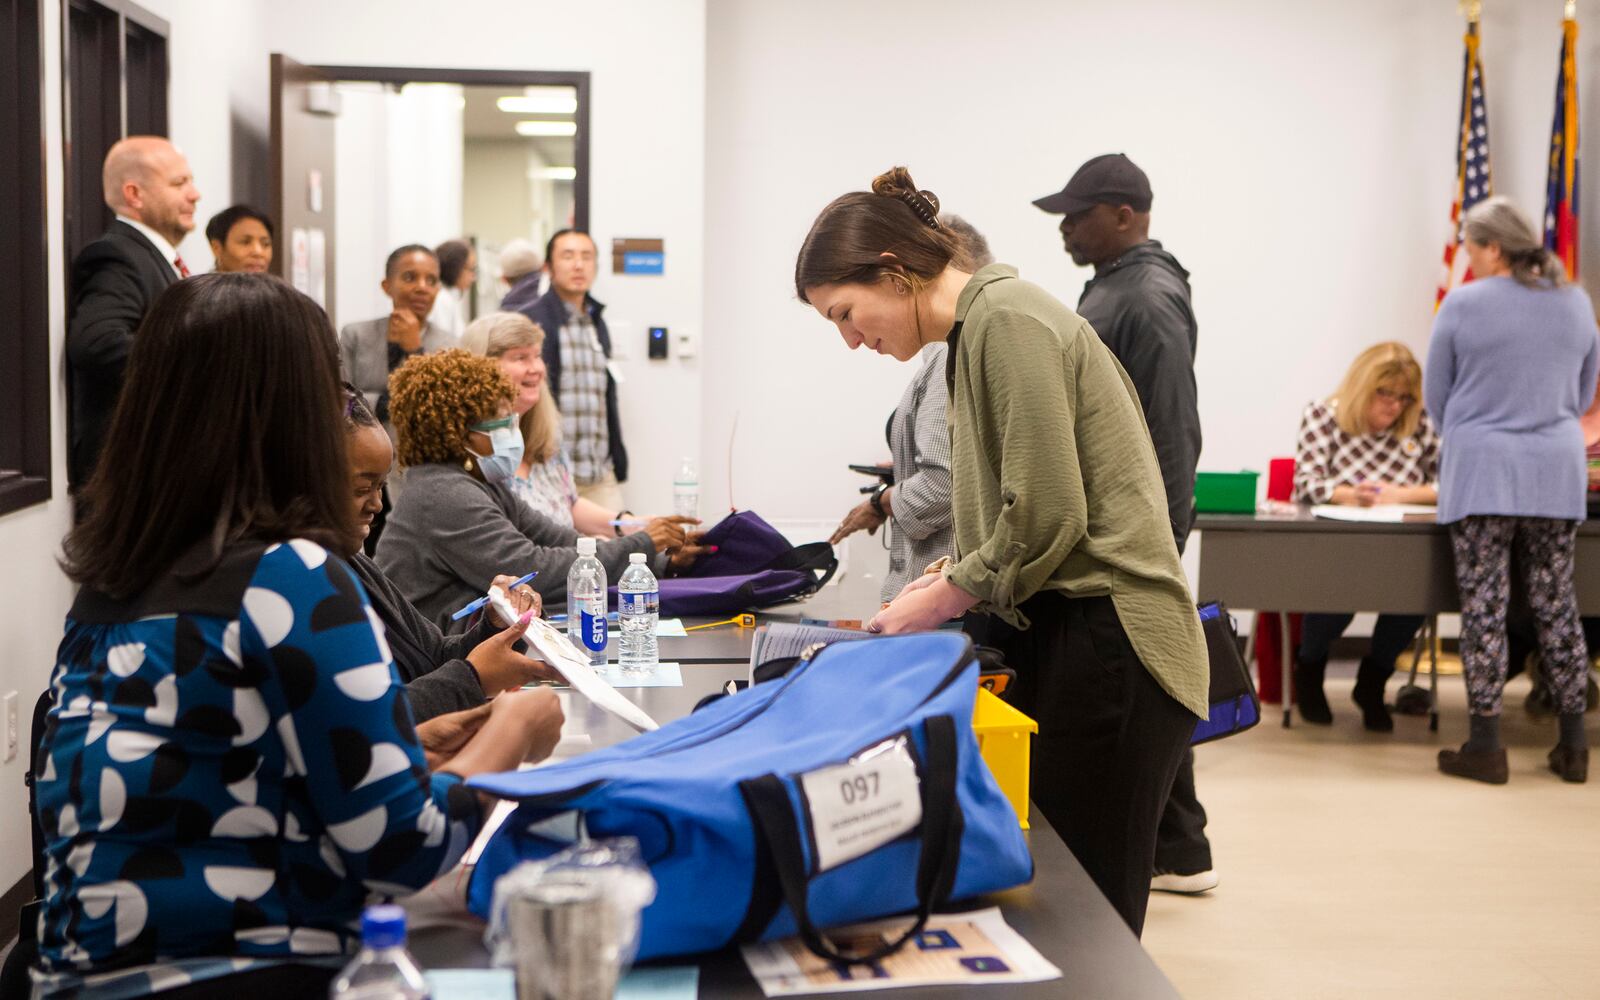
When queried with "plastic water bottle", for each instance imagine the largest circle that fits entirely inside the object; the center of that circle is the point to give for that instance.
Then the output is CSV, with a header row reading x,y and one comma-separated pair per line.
x,y
686,490
638,608
384,970
586,603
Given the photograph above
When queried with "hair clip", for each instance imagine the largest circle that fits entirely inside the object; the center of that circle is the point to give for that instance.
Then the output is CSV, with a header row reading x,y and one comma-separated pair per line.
x,y
925,204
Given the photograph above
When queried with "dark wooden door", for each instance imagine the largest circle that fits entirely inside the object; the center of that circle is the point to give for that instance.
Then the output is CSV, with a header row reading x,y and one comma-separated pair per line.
x,y
303,118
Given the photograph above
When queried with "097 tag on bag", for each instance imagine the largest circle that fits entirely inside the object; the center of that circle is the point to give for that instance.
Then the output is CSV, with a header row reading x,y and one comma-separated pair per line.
x,y
864,803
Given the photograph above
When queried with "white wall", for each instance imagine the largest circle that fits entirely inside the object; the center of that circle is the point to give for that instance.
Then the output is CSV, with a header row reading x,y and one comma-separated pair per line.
x,y
217,111
647,157
1299,153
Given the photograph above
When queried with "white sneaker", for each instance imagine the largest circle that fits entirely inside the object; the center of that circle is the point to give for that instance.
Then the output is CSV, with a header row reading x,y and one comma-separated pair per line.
x,y
1187,885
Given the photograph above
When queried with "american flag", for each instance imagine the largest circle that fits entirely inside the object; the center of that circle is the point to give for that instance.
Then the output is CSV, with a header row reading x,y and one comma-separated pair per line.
x,y
1561,189
1473,180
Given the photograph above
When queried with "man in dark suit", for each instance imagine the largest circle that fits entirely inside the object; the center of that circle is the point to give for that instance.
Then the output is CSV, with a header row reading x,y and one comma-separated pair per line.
x,y
117,278
577,353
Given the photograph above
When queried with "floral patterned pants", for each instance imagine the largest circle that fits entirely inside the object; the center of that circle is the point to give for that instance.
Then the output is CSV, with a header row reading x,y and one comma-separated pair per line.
x,y
1544,556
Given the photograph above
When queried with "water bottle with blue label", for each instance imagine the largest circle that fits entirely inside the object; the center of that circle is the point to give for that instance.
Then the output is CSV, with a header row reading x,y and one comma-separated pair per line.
x,y
638,608
586,603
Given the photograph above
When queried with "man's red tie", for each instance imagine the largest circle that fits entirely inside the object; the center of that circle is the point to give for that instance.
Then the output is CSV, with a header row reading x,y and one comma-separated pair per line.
x,y
183,268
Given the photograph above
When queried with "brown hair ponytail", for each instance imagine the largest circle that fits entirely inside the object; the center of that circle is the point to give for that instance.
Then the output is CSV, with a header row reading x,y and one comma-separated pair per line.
x,y
847,242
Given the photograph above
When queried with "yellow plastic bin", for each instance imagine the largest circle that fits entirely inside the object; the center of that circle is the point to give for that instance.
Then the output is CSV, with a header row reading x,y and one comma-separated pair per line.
x,y
1003,739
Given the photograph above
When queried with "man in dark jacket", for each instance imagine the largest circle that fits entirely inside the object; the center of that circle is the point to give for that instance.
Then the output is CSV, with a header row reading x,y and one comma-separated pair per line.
x,y
577,352
117,278
1138,302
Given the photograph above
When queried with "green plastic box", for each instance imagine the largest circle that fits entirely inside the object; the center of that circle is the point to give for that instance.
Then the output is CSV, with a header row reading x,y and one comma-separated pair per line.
x,y
1225,492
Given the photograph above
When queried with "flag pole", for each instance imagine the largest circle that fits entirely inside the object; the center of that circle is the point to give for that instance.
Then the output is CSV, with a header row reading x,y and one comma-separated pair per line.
x,y
1572,10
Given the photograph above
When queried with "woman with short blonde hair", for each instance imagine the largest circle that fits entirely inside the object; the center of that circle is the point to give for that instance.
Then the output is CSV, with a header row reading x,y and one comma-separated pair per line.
x,y
544,480
1369,443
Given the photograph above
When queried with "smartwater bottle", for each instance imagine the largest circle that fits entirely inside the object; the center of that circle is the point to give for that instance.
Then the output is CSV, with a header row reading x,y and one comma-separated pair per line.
x,y
586,603
686,490
384,970
638,608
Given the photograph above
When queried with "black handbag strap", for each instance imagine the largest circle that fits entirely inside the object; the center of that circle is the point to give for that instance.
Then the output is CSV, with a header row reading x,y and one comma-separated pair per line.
x,y
942,825
812,557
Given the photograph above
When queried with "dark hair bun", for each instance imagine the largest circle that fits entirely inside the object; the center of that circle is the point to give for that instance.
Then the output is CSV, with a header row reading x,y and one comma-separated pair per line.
x,y
896,183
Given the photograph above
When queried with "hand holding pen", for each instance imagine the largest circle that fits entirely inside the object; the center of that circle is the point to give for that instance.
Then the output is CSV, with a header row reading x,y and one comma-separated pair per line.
x,y
521,596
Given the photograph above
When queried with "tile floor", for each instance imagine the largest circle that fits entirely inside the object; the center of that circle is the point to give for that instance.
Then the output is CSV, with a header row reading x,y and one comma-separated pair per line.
x,y
1351,868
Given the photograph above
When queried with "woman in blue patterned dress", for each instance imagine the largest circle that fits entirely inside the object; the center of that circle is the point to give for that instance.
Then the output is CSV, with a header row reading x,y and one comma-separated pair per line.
x,y
230,769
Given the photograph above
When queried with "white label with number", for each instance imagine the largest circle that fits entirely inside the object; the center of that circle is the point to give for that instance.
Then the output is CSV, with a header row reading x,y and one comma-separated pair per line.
x,y
861,805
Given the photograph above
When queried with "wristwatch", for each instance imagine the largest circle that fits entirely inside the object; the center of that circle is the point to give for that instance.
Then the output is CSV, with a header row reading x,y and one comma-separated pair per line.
x,y
621,515
877,500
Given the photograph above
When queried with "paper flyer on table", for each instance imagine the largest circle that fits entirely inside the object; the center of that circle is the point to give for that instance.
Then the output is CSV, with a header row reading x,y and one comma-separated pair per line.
x,y
1383,513
954,949
659,675
558,651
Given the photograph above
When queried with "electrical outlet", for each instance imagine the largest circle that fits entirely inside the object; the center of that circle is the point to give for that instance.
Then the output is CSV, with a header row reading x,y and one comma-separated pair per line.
x,y
11,725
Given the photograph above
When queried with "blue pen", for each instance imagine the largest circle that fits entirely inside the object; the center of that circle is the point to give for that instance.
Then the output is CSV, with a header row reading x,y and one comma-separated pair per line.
x,y
480,602
628,522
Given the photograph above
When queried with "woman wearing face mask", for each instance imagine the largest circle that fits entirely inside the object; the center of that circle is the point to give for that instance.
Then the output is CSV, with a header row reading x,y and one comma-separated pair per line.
x,y
458,523
441,673
544,479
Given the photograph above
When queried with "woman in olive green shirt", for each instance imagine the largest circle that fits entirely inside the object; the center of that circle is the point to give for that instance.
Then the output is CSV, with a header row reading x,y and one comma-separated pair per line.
x,y
1060,519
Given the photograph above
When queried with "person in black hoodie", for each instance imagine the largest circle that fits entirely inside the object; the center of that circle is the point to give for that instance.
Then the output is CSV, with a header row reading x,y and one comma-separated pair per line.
x,y
441,673
1138,302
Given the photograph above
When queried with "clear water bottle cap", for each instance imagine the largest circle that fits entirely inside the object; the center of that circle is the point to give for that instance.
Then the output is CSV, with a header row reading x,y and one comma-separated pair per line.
x,y
586,546
636,558
383,926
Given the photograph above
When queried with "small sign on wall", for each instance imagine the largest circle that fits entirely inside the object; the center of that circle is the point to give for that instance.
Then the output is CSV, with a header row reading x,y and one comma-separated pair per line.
x,y
638,256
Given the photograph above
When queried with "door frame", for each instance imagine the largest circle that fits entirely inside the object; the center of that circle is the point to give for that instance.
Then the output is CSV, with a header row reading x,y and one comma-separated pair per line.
x,y
576,79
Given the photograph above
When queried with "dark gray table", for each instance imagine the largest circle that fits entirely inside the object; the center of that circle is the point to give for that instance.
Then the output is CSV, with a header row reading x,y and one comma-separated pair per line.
x,y
1061,912
1297,561
851,596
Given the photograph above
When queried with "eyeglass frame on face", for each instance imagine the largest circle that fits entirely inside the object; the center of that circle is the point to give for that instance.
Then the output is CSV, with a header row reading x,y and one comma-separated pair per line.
x,y
1405,399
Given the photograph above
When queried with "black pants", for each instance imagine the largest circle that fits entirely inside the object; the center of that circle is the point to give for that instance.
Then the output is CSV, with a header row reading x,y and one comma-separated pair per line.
x,y
1110,740
1181,844
1392,635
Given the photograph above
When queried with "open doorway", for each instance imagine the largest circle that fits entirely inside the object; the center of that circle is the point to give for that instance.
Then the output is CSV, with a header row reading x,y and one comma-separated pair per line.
x,y
428,155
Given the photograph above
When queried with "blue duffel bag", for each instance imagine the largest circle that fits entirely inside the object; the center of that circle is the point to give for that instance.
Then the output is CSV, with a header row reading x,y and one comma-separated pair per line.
x,y
849,789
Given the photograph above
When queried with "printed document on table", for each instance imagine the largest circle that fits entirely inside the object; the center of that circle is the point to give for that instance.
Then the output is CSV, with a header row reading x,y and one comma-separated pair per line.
x,y
1383,513
954,949
558,651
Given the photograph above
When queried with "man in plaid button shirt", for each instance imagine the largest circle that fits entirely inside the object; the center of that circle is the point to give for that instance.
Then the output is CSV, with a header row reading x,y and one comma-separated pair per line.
x,y
577,352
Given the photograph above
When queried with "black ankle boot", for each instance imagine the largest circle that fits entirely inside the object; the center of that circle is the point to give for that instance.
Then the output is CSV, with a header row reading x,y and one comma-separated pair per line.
x,y
1371,677
1308,688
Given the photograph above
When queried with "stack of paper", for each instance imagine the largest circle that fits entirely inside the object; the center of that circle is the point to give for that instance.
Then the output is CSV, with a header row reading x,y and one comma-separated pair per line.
x,y
1383,513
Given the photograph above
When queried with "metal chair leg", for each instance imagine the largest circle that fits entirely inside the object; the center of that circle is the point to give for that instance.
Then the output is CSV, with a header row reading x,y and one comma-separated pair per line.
x,y
1284,654
1432,626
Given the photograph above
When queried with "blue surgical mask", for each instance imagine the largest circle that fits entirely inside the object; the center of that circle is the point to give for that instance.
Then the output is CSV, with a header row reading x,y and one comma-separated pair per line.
x,y
502,463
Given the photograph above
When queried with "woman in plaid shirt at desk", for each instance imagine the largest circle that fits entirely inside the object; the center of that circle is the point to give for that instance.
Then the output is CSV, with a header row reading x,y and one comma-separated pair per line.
x,y
1369,443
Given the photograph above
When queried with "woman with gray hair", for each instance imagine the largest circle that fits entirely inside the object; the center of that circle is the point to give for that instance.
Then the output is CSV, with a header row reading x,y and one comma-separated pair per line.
x,y
544,480
1511,368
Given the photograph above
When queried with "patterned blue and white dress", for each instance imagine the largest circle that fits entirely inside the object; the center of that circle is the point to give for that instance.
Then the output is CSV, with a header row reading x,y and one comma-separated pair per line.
x,y
231,769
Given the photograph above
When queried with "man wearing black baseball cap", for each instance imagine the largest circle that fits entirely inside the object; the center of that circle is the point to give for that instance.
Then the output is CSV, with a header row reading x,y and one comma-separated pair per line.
x,y
1138,302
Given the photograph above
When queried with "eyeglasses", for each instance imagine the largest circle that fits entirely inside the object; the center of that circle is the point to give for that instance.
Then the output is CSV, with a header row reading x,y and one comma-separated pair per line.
x,y
1390,396
494,425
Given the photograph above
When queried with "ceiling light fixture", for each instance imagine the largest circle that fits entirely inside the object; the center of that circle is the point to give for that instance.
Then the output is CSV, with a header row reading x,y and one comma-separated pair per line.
x,y
544,104
533,128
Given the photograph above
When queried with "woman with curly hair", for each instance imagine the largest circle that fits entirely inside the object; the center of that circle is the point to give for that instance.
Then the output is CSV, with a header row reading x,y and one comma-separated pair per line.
x,y
458,522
